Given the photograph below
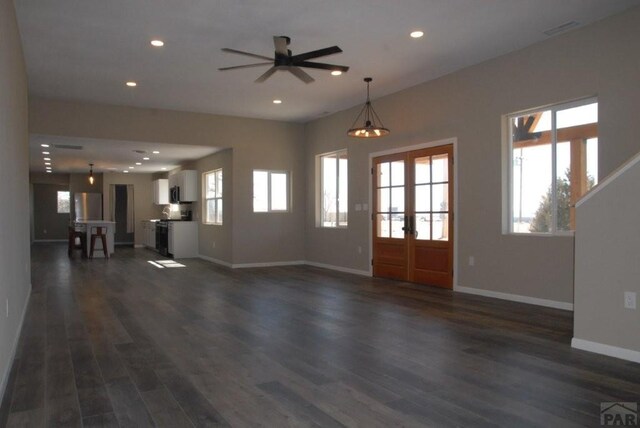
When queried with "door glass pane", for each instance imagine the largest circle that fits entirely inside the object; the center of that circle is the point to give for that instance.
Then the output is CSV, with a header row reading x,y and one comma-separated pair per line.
x,y
423,198
440,197
397,223
423,226
384,174
397,199
423,170
278,191
384,202
382,225
440,226
440,168
397,173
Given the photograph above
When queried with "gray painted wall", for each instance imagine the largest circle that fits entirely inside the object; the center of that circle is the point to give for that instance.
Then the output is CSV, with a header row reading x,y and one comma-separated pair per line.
x,y
15,265
602,59
210,234
48,223
607,254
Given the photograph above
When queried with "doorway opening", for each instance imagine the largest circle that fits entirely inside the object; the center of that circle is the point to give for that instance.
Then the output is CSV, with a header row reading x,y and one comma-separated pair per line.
x,y
122,214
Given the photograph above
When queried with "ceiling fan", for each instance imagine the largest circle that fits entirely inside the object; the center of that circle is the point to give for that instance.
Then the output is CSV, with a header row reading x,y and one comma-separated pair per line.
x,y
284,60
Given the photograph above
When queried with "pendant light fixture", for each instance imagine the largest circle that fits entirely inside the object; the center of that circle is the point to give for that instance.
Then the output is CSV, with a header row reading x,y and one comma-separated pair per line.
x,y
91,179
372,126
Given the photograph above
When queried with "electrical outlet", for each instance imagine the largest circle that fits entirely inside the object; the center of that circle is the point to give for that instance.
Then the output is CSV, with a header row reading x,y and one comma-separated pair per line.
x,y
213,244
630,299
359,249
472,261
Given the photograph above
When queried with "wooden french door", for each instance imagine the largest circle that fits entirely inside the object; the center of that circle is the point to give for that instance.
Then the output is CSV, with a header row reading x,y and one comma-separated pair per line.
x,y
413,216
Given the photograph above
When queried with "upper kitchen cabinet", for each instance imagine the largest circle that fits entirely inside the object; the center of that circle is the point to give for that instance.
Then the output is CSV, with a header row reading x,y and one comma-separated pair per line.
x,y
187,182
161,191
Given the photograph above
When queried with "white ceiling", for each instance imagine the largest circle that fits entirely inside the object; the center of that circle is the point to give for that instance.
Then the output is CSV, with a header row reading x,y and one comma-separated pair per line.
x,y
88,49
109,155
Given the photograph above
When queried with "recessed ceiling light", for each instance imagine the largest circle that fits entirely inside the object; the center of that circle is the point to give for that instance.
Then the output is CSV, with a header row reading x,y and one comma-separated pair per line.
x,y
416,34
47,163
155,152
277,101
125,171
138,163
131,167
47,159
157,43
49,171
164,169
132,84
44,145
145,158
336,73
45,153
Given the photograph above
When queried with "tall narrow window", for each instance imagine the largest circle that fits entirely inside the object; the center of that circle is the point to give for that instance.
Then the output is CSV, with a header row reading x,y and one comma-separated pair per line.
x,y
212,184
554,162
64,203
270,191
332,199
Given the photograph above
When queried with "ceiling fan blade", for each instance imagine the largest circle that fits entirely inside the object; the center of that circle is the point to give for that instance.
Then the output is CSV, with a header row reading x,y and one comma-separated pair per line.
x,y
300,74
316,54
281,42
246,53
266,74
321,66
245,66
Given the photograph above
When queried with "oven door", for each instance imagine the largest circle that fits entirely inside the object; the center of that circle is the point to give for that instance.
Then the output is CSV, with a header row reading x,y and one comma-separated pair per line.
x,y
162,238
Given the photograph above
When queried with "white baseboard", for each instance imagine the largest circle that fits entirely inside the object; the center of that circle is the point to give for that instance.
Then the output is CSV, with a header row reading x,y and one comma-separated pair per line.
x,y
216,261
515,298
339,268
139,246
14,349
268,264
608,350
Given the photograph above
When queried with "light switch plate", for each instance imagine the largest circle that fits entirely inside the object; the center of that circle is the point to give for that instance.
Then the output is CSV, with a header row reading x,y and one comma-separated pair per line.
x,y
630,299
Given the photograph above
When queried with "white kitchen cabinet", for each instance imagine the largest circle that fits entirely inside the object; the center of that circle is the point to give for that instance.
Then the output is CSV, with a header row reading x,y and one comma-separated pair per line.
x,y
183,239
161,191
149,234
187,181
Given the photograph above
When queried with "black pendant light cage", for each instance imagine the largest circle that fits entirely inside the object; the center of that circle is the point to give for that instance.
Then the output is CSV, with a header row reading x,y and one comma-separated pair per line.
x,y
91,179
372,125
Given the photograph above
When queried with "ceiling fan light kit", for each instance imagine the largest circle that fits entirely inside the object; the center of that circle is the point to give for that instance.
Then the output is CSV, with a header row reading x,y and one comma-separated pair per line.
x,y
372,125
284,60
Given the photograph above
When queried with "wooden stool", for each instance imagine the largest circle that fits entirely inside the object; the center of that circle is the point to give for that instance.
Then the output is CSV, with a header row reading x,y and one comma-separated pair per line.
x,y
77,232
103,238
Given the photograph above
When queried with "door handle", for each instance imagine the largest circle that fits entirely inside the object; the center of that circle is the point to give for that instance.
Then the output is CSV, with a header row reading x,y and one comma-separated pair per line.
x,y
406,225
412,224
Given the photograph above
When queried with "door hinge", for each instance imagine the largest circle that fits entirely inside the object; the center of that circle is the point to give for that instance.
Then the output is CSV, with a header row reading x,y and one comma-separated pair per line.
x,y
371,262
371,171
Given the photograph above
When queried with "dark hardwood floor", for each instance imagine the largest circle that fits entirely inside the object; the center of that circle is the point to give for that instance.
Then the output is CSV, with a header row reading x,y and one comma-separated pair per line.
x,y
120,342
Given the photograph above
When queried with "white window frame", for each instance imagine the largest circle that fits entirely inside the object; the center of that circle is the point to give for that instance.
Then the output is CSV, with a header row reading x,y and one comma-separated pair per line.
x,y
320,189
270,172
554,108
58,201
205,205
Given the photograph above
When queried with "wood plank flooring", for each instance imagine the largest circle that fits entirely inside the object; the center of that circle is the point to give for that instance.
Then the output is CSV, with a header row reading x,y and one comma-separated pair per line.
x,y
120,342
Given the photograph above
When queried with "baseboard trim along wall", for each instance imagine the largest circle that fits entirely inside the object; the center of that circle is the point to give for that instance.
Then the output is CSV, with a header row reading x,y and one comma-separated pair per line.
x,y
139,246
216,261
290,263
608,350
50,240
7,371
339,268
515,298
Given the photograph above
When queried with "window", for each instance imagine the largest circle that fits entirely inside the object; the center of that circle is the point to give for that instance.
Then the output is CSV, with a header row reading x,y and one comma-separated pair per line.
x,y
270,191
212,184
64,204
332,196
553,162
